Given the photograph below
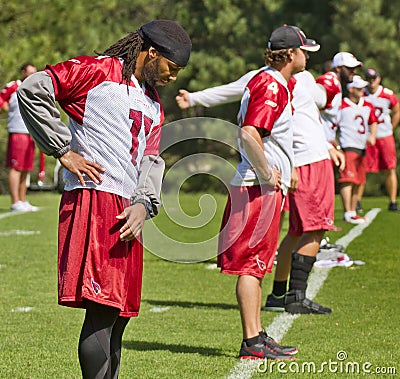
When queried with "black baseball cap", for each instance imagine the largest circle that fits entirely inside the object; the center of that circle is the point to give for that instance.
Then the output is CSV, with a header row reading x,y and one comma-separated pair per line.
x,y
371,73
290,37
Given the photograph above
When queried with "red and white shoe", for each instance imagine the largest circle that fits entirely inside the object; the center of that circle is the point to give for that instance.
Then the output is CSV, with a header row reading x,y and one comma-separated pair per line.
x,y
354,219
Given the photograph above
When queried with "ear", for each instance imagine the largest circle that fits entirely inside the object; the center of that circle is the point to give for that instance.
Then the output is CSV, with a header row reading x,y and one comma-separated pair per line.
x,y
291,53
153,53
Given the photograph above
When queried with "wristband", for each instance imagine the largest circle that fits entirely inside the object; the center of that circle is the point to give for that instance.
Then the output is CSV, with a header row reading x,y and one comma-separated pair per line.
x,y
147,205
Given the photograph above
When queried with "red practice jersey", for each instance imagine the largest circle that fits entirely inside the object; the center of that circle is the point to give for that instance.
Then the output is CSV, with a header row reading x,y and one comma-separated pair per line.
x,y
266,105
110,123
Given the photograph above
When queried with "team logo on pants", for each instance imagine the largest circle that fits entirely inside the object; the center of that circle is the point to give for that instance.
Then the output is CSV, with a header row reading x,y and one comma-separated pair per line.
x,y
96,287
261,264
329,221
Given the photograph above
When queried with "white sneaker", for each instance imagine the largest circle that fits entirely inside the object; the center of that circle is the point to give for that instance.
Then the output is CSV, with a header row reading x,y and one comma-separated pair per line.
x,y
355,219
29,207
18,207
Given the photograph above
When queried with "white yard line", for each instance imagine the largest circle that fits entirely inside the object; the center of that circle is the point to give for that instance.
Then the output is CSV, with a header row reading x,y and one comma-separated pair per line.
x,y
18,232
282,323
159,309
9,214
22,309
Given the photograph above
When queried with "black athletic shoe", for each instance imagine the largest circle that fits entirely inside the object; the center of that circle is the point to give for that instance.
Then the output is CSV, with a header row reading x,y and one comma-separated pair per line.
x,y
274,303
325,246
297,303
393,206
271,343
261,351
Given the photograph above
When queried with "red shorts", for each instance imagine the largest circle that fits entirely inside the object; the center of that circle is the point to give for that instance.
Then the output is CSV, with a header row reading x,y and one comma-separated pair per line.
x,y
286,203
355,170
20,152
312,204
92,261
250,230
381,156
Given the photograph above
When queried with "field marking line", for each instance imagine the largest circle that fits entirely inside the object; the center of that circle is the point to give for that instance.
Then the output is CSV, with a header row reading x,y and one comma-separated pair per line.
x,y
159,309
23,309
9,214
18,232
282,323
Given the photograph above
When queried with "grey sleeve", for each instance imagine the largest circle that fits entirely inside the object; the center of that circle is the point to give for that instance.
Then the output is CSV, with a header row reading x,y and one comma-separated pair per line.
x,y
38,109
149,184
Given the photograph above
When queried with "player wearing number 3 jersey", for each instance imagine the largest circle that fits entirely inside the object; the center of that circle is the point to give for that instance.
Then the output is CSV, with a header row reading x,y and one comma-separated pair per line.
x,y
113,176
357,127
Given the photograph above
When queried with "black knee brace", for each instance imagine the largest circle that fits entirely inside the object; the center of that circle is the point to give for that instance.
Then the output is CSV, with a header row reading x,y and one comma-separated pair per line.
x,y
300,270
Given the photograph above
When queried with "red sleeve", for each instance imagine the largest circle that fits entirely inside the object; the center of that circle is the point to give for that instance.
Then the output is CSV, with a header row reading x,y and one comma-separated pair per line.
x,y
267,98
7,91
154,139
73,79
372,114
332,87
393,100
153,142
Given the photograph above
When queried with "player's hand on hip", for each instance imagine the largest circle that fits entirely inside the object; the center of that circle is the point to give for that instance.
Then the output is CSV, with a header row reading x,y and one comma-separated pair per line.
x,y
274,178
79,166
135,216
182,99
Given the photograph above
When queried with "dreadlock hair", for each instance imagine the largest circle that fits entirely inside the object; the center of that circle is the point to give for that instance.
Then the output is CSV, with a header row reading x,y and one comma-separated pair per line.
x,y
127,48
275,57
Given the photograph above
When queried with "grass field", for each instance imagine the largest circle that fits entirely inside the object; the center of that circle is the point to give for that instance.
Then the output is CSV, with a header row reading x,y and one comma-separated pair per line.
x,y
189,325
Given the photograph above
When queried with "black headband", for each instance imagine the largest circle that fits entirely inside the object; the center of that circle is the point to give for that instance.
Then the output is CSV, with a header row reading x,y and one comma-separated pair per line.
x,y
169,39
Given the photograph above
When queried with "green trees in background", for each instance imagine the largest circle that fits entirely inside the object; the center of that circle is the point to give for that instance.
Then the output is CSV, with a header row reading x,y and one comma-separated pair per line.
x,y
229,37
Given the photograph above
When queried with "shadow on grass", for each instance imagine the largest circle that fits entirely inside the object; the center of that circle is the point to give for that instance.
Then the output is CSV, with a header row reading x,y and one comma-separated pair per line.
x,y
153,346
189,304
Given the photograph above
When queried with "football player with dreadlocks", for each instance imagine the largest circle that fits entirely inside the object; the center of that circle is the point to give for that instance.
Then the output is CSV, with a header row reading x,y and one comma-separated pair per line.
x,y
112,178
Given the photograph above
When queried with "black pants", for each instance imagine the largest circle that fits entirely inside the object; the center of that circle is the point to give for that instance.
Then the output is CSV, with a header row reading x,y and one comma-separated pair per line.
x,y
100,342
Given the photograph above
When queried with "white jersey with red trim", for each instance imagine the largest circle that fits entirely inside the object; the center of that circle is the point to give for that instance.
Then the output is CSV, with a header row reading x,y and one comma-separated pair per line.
x,y
383,100
330,112
309,143
9,95
266,105
111,124
354,121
